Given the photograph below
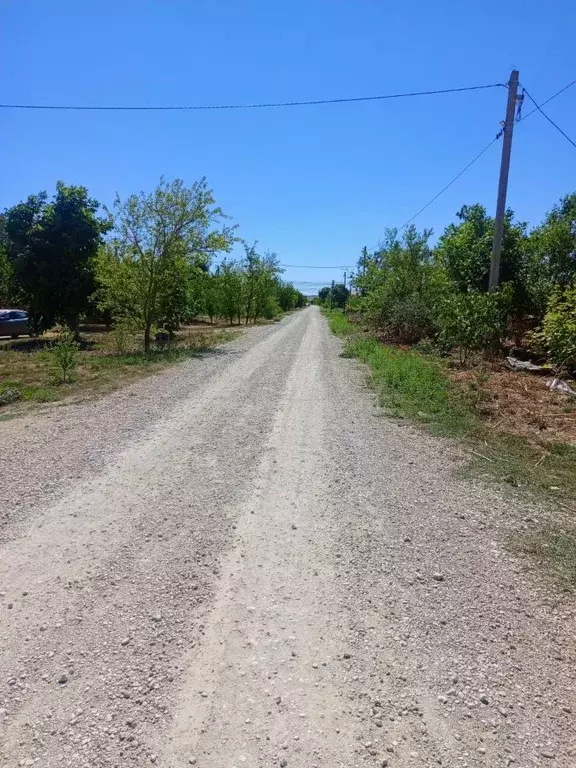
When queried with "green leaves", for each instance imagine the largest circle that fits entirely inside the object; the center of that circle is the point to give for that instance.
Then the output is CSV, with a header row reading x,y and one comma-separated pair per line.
x,y
163,242
397,285
334,296
464,250
559,329
51,246
473,322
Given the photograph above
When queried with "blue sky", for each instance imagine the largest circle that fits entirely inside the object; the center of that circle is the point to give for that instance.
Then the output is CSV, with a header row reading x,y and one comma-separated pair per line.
x,y
314,183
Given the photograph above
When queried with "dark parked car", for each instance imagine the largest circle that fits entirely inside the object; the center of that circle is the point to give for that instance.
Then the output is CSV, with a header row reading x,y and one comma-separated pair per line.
x,y
15,322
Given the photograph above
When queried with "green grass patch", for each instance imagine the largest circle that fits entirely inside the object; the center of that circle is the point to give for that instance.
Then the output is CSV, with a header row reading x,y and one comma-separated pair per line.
x,y
339,323
38,394
409,384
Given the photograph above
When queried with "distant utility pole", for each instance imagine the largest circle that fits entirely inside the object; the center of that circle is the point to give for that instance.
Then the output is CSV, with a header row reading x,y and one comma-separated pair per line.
x,y
503,181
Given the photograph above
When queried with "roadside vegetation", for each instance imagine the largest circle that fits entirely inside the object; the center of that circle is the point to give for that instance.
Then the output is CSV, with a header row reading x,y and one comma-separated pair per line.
x,y
155,276
493,369
56,367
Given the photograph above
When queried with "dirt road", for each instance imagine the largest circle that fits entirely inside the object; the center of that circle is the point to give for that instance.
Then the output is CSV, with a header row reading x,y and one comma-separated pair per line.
x,y
240,562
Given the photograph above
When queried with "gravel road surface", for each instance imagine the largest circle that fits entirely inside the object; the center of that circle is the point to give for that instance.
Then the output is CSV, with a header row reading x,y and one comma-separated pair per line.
x,y
241,562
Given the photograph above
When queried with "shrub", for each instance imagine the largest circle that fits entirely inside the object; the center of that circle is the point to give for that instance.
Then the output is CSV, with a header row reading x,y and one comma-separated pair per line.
x,y
473,322
122,335
410,318
558,332
64,353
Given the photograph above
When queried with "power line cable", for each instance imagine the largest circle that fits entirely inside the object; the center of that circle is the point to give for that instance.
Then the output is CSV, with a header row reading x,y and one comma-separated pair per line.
x,y
547,101
486,148
539,109
462,172
111,108
447,186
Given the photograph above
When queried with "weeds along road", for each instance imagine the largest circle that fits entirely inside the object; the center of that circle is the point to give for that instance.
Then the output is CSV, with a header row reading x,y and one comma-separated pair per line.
x,y
240,562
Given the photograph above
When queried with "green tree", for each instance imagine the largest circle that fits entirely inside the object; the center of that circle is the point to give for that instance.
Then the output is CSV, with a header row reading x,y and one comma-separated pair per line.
x,y
473,321
230,291
289,298
552,254
398,285
335,295
464,254
160,242
9,289
554,242
266,298
339,295
464,250
51,248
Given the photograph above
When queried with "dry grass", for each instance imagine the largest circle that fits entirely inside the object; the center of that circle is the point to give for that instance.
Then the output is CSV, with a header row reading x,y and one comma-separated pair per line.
x,y
519,404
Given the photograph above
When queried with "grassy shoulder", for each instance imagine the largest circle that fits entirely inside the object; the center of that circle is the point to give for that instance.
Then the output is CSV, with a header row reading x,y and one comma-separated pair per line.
x,y
417,386
28,368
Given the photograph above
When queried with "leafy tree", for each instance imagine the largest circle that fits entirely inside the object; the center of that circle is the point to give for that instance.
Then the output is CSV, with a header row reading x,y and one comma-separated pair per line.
x,y
266,298
51,248
230,284
554,241
9,289
464,250
552,254
160,242
324,294
339,294
398,285
473,321
289,297
335,295
260,280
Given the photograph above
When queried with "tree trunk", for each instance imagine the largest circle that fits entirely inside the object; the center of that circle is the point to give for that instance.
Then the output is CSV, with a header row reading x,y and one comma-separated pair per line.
x,y
147,331
73,323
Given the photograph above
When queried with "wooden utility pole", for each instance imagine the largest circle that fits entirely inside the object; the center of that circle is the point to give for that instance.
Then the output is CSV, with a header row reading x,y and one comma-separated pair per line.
x,y
503,181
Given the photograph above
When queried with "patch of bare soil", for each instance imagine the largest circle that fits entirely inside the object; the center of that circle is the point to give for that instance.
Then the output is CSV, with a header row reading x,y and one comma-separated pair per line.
x,y
519,404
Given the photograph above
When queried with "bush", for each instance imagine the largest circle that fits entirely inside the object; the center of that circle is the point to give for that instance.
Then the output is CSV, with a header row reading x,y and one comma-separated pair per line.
x,y
410,318
122,335
558,332
473,322
64,353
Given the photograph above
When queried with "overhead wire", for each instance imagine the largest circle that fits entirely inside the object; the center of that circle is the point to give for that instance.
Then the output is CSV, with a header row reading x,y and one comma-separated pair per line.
x,y
208,107
447,186
547,101
462,172
195,107
486,148
539,109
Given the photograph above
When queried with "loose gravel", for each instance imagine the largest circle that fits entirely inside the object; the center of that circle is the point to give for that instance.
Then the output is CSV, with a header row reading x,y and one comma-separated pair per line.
x,y
239,562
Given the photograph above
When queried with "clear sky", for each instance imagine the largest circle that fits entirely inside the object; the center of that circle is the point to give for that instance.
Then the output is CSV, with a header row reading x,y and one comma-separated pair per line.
x,y
313,183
